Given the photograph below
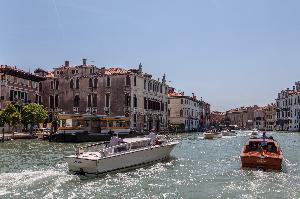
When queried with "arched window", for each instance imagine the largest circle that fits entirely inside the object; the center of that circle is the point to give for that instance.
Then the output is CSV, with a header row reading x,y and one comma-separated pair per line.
x,y
134,80
56,84
71,83
127,99
90,83
108,81
127,80
134,101
95,83
76,101
77,84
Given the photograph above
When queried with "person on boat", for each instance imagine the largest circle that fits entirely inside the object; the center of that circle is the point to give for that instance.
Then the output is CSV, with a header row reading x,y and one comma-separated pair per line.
x,y
152,137
115,140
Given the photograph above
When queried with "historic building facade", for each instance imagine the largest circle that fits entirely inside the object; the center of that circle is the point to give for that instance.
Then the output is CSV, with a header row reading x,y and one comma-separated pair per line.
x,y
288,109
243,117
19,87
87,88
184,111
270,117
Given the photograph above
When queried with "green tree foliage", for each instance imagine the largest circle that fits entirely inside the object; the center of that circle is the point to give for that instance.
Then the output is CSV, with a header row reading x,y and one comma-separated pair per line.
x,y
11,116
33,114
1,118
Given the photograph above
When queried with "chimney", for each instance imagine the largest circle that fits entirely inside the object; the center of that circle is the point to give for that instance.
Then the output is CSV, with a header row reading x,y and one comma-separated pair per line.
x,y
102,71
164,79
84,62
67,63
140,68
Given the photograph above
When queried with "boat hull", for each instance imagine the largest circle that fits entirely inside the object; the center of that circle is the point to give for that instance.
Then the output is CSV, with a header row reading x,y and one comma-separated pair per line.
x,y
261,162
120,161
208,136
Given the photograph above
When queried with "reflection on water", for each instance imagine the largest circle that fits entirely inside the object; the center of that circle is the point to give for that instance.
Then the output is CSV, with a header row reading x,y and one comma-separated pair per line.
x,y
197,169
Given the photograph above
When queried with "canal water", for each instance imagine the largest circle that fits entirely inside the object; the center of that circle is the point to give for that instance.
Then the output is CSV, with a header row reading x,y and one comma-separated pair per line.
x,y
197,169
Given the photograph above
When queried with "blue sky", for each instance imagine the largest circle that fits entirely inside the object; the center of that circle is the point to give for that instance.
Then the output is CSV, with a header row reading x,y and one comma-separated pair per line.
x,y
230,52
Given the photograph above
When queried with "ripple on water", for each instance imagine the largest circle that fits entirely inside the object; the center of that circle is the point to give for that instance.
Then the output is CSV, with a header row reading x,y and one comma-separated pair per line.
x,y
197,169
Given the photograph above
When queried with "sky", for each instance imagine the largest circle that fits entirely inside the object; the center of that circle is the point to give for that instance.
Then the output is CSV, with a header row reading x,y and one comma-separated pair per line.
x,y
229,52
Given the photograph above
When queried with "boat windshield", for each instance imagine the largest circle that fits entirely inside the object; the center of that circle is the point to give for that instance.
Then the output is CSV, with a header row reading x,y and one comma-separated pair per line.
x,y
262,146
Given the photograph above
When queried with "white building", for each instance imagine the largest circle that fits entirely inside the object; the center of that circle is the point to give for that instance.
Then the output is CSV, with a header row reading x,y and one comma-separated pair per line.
x,y
184,111
288,109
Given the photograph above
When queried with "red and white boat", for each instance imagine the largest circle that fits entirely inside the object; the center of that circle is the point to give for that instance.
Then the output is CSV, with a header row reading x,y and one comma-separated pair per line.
x,y
262,153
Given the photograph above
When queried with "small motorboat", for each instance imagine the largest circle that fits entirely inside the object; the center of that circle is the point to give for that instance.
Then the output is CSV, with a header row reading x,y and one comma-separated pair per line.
x,y
254,132
119,154
208,135
228,133
262,153
212,135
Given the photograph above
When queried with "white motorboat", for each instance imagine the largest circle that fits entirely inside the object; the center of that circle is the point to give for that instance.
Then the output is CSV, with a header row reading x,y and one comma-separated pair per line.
x,y
254,132
208,135
228,133
132,152
212,135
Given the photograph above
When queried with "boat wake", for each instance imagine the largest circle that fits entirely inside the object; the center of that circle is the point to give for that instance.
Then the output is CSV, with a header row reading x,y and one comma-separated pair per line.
x,y
39,182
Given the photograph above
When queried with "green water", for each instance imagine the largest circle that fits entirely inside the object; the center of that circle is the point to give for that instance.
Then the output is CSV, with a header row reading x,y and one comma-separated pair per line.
x,y
197,169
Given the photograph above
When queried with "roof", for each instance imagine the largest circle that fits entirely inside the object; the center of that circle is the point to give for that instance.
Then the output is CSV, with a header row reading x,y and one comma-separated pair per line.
x,y
116,71
14,71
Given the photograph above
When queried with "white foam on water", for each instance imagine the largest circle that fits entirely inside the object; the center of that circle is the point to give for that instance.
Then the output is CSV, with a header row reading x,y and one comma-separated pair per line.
x,y
29,182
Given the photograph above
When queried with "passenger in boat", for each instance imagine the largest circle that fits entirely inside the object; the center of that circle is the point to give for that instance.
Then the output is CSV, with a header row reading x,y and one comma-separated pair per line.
x,y
115,140
152,137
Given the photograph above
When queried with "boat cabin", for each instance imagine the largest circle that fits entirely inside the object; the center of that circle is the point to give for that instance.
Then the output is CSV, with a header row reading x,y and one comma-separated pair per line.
x,y
261,144
93,123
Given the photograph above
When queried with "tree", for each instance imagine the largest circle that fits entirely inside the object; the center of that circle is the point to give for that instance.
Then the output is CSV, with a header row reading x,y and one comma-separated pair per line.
x,y
11,116
33,114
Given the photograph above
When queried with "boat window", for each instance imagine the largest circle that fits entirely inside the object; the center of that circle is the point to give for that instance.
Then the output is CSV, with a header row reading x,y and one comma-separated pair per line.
x,y
110,124
68,122
103,123
62,123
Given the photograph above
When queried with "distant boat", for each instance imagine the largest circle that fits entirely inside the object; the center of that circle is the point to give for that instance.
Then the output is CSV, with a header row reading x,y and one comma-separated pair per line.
x,y
254,132
262,153
228,133
212,135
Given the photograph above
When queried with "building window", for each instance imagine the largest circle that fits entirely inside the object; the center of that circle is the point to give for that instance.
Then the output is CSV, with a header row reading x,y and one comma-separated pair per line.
x,y
51,101
107,100
134,101
160,88
145,103
71,83
56,84
77,84
73,71
95,83
94,100
90,83
56,101
51,85
40,87
181,101
91,70
127,80
76,101
127,99
89,104
145,84
134,80
108,81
